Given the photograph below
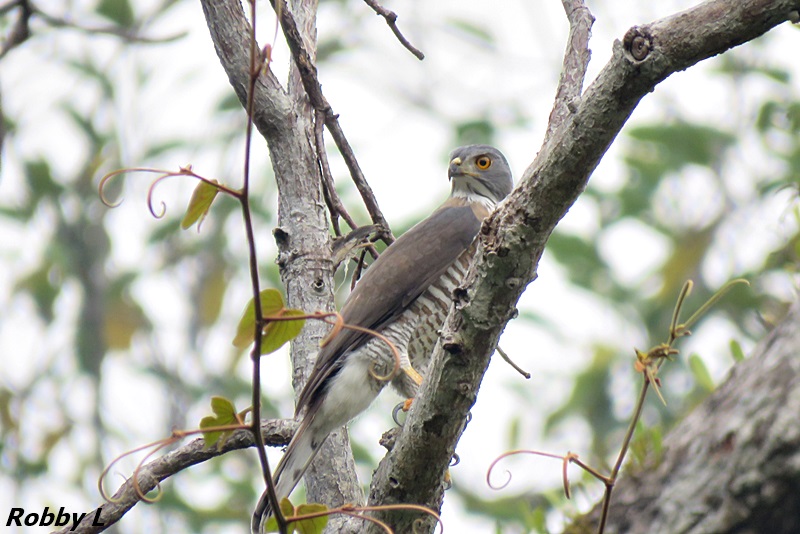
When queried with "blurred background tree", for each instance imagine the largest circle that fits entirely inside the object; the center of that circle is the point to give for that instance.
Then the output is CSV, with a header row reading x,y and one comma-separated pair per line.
x,y
117,327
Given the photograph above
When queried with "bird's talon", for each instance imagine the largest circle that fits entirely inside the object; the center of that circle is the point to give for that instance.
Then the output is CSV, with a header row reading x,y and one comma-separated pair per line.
x,y
469,418
396,413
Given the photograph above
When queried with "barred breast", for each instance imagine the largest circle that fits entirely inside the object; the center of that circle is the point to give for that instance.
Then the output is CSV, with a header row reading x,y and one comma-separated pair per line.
x,y
416,331
431,310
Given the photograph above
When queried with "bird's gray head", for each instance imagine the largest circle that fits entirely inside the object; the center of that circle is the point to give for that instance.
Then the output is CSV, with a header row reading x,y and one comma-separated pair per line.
x,y
480,173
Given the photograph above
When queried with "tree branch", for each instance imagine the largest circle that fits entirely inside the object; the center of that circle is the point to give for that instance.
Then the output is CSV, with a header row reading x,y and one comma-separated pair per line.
x,y
128,34
20,31
391,20
335,206
513,239
308,73
230,33
275,432
573,68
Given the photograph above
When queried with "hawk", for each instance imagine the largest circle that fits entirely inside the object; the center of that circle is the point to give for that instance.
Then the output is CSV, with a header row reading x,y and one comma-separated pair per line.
x,y
405,295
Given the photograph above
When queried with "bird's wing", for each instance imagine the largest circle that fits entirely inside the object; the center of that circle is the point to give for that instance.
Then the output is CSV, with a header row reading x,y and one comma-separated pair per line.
x,y
399,275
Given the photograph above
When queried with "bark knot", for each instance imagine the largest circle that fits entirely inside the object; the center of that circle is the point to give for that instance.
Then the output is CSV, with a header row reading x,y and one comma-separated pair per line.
x,y
638,43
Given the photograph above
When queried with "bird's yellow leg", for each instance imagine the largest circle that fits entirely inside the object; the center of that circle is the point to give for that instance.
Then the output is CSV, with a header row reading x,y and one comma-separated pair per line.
x,y
417,378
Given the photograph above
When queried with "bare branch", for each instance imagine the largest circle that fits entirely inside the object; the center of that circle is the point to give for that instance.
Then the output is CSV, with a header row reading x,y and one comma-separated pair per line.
x,y
308,74
391,20
129,35
335,205
346,247
275,432
576,61
20,31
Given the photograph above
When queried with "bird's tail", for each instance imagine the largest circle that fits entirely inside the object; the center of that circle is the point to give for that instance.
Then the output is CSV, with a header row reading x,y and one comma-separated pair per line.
x,y
299,454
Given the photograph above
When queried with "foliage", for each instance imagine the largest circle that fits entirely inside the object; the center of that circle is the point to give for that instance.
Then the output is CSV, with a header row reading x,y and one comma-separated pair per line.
x,y
224,414
277,332
313,525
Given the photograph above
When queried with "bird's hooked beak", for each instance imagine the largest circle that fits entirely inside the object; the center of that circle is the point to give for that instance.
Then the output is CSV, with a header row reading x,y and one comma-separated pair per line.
x,y
454,169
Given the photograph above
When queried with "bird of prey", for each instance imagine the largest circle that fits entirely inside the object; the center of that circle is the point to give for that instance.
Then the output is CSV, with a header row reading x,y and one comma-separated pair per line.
x,y
405,295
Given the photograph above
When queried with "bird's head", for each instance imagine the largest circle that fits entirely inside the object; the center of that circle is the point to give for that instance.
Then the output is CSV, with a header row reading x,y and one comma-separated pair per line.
x,y
479,173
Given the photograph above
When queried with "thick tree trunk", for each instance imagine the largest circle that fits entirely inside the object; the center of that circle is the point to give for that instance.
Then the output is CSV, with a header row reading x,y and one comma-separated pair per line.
x,y
733,465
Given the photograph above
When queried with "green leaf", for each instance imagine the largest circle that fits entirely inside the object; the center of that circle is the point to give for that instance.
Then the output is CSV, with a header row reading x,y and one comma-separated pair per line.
x,y
224,414
514,430
202,197
736,351
85,125
87,68
512,510
40,180
580,257
119,12
278,333
271,304
43,288
793,114
766,115
538,520
313,525
700,372
124,317
304,526
328,47
287,510
591,398
735,68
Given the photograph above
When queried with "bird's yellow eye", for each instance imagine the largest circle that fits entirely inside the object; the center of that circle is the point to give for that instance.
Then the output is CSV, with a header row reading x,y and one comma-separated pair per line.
x,y
483,162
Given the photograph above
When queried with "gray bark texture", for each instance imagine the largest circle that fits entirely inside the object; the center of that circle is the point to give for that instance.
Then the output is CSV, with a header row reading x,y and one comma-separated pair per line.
x,y
733,465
